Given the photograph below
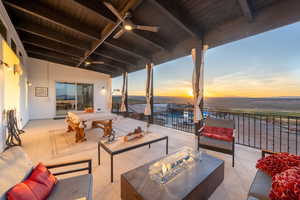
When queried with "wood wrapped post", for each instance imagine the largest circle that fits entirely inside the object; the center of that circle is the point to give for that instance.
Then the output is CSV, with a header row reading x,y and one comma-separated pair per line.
x,y
198,84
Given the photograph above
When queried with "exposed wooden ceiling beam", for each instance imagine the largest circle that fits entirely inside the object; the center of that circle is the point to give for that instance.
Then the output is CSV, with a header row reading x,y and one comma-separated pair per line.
x,y
38,41
114,64
109,29
172,11
39,50
37,9
49,58
109,67
100,69
96,5
125,49
50,34
114,57
149,40
246,9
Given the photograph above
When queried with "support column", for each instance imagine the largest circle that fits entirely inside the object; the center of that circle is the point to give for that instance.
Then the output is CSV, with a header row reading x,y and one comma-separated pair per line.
x,y
126,96
151,100
198,84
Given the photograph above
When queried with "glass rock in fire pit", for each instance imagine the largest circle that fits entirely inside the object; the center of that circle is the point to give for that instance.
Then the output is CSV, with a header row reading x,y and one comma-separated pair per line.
x,y
167,168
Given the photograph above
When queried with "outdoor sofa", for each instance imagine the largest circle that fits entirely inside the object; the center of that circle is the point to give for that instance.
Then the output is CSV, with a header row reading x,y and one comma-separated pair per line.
x,y
261,185
15,166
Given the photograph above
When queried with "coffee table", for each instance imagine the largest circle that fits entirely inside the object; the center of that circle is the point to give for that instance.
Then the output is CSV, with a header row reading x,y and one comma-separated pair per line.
x,y
197,182
119,146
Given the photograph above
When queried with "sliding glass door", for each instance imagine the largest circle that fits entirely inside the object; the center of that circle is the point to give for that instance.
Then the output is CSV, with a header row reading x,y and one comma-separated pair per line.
x,y
85,96
73,96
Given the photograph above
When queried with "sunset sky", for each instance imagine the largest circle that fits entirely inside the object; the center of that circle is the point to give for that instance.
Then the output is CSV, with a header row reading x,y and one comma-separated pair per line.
x,y
265,65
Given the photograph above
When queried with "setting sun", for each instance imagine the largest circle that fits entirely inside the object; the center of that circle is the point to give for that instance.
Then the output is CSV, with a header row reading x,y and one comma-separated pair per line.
x,y
190,93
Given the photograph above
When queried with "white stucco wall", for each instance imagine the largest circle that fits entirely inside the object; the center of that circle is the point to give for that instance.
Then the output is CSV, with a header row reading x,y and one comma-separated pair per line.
x,y
6,82
46,74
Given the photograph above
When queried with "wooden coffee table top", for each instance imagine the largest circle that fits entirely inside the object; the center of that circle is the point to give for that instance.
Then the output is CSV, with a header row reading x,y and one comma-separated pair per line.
x,y
120,144
180,186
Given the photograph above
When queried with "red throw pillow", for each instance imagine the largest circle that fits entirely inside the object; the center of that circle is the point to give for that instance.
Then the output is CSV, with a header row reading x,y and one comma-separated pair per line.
x,y
286,185
277,163
21,191
219,133
39,184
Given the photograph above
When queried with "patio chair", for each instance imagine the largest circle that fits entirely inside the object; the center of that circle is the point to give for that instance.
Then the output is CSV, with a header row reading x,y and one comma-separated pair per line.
x,y
218,145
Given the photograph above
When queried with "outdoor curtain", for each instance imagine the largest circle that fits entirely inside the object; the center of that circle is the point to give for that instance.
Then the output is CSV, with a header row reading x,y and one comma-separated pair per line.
x,y
198,82
149,69
124,89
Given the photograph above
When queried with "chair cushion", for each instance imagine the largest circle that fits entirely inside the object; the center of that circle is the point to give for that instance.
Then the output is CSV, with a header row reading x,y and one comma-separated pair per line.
x,y
216,143
73,188
15,166
219,133
261,186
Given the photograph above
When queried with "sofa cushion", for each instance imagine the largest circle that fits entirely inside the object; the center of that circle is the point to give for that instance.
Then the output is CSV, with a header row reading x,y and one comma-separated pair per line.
x,y
261,186
15,166
73,188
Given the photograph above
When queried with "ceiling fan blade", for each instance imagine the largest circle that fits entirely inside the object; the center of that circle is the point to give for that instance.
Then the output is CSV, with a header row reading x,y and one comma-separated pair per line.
x,y
113,10
98,62
119,34
147,28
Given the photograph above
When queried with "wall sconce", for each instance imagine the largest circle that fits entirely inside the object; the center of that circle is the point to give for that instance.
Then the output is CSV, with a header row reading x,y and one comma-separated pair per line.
x,y
29,84
103,90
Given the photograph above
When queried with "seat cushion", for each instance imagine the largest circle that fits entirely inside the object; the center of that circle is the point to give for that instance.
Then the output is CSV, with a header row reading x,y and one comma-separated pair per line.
x,y
219,133
261,186
73,188
15,166
215,143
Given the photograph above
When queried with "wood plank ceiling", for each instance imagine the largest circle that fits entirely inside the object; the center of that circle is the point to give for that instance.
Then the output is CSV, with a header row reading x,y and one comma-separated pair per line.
x,y
74,31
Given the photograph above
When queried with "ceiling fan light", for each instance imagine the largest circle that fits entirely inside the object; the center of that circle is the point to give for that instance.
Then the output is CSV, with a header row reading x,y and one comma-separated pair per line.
x,y
87,63
128,27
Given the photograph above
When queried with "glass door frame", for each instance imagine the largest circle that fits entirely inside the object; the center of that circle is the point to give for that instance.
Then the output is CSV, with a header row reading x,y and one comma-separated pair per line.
x,y
76,96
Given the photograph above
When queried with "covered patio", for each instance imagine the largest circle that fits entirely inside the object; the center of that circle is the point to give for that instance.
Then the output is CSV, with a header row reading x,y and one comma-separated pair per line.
x,y
60,56
46,141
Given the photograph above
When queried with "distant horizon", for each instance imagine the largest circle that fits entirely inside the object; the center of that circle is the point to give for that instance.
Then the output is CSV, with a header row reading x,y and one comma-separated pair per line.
x,y
188,97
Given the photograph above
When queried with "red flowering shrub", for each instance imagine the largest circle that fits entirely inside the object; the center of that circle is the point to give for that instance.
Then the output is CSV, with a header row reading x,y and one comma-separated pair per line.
x,y
278,163
286,185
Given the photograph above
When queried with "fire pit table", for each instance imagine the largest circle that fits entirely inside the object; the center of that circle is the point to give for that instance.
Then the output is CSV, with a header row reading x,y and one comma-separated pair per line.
x,y
197,182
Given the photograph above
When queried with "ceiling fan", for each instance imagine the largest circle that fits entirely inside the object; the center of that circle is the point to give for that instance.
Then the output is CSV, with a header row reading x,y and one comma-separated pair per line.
x,y
127,25
88,63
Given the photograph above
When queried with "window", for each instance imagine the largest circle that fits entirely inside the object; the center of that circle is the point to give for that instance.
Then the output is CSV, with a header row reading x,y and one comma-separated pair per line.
x,y
3,30
13,46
